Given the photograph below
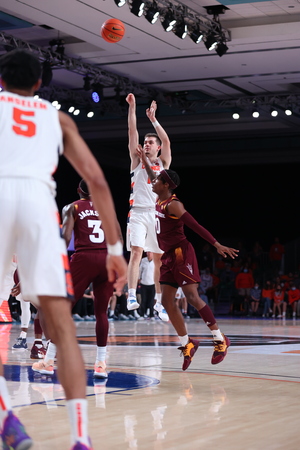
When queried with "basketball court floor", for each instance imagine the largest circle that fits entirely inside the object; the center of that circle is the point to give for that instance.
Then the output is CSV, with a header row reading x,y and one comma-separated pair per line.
x,y
251,401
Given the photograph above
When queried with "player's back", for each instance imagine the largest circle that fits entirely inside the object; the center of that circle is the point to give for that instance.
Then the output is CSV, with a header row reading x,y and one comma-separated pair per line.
x,y
88,234
31,137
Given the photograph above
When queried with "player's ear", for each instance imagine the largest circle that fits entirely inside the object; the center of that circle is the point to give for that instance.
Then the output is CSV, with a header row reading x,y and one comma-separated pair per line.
x,y
37,85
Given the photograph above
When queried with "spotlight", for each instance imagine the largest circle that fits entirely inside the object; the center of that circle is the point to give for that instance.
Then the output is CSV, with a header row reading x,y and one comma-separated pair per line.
x,y
181,29
274,112
97,94
46,73
90,114
221,48
288,112
152,13
168,21
137,7
196,35
120,3
87,83
255,114
235,116
76,112
71,109
210,41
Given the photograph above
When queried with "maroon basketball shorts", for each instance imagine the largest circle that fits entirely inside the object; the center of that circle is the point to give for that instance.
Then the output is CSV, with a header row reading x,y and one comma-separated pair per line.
x,y
179,266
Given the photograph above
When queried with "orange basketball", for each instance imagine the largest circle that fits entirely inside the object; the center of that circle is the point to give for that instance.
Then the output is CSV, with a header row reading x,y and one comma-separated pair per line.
x,y
113,30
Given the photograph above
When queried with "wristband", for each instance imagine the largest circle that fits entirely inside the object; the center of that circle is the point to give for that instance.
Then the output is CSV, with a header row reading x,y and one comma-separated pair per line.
x,y
115,249
155,124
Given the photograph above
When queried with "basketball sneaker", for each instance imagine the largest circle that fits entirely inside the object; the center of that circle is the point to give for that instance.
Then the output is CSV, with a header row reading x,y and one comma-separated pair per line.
x,y
220,350
188,352
81,446
132,303
162,313
100,370
37,351
20,344
44,367
13,434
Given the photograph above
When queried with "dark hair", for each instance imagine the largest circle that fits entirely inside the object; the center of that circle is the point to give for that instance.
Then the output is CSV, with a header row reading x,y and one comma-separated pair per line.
x,y
83,187
155,136
20,69
174,177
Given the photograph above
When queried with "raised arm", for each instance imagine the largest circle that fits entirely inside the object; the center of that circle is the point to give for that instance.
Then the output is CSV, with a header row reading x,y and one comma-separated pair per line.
x,y
165,151
84,162
177,209
133,136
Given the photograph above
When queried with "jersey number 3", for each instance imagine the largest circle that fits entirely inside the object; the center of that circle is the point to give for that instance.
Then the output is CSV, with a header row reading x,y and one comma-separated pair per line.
x,y
98,234
22,126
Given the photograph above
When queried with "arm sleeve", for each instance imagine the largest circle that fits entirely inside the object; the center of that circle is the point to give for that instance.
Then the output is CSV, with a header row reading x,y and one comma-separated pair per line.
x,y
195,226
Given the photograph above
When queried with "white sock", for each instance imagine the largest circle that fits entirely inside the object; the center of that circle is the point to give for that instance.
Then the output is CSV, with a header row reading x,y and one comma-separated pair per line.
x,y
217,335
5,404
23,334
184,340
111,312
101,354
77,410
158,297
51,352
131,292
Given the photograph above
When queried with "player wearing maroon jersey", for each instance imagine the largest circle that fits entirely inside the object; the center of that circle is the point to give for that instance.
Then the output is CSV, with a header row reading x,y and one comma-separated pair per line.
x,y
179,264
87,265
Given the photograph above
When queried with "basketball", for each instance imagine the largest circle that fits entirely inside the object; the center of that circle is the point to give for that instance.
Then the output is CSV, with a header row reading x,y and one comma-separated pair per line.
x,y
113,30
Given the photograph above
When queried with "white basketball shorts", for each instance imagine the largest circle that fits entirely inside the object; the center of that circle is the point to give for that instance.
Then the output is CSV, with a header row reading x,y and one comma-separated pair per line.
x,y
29,224
141,231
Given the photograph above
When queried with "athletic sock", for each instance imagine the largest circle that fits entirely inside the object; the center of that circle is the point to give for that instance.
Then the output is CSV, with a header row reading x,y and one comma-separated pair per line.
x,y
77,410
184,340
101,354
131,292
51,352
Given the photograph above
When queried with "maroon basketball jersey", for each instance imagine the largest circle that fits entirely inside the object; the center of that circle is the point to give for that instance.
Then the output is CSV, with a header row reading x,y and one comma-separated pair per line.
x,y
170,229
88,234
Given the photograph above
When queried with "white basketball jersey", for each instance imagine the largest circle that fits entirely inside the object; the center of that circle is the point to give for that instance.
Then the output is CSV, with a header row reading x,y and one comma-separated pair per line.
x,y
29,128
141,188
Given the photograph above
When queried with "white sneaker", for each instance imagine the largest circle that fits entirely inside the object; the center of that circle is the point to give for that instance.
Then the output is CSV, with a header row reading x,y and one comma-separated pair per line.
x,y
100,370
136,314
162,313
132,303
78,318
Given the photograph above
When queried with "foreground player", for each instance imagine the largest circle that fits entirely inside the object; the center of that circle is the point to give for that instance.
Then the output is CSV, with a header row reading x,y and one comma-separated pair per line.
x,y
31,135
179,264
87,265
141,235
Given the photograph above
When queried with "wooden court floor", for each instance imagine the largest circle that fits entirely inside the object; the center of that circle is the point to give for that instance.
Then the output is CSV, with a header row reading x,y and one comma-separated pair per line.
x,y
251,401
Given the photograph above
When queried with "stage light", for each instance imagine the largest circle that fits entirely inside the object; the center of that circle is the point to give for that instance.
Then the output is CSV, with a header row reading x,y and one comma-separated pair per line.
x,y
71,109
288,112
221,48
168,21
137,7
152,13
46,73
274,112
210,41
255,114
181,29
235,116
90,114
120,3
76,112
87,83
196,35
97,94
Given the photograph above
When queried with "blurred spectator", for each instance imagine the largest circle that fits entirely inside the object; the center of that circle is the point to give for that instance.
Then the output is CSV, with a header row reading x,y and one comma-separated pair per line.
x,y
244,282
279,305
276,253
267,296
293,297
255,295
206,258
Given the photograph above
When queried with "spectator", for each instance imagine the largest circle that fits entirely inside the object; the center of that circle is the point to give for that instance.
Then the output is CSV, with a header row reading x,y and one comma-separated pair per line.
x,y
276,254
244,282
279,304
255,294
293,298
267,296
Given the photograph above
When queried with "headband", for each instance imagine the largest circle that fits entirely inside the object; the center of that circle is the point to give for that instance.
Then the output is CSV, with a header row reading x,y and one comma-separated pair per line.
x,y
168,180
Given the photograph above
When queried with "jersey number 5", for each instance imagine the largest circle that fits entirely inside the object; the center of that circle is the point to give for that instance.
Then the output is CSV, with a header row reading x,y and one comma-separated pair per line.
x,y
23,127
97,235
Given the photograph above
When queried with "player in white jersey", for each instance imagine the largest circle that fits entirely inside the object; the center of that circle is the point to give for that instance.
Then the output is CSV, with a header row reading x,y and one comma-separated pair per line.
x,y
31,135
141,233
